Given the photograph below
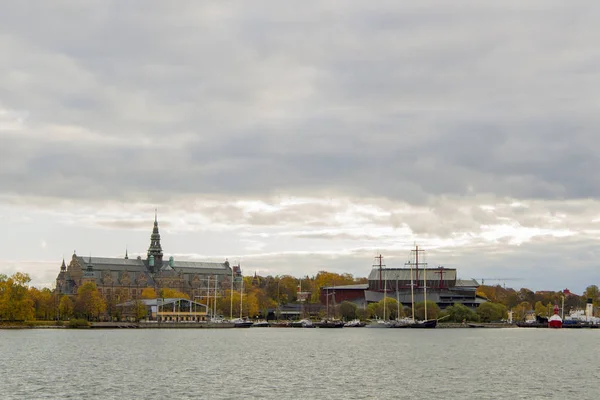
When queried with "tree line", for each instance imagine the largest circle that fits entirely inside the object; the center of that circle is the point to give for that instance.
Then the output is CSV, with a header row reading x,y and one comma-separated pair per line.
x,y
21,302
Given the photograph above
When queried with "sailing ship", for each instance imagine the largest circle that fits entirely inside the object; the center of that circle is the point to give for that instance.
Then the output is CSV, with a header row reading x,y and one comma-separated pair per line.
x,y
425,323
381,323
241,322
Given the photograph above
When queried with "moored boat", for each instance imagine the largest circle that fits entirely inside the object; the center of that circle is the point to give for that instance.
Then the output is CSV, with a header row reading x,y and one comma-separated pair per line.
x,y
241,323
355,323
379,323
330,323
427,324
261,324
303,323
555,321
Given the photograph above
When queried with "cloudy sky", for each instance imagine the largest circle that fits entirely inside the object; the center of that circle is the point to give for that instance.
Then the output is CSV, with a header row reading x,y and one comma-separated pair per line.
x,y
306,136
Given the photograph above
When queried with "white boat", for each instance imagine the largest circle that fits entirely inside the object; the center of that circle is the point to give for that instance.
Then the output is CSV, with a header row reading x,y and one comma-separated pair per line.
x,y
379,323
355,323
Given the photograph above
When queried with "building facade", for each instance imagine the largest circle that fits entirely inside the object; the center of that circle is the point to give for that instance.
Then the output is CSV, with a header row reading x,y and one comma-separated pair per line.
x,y
442,285
121,279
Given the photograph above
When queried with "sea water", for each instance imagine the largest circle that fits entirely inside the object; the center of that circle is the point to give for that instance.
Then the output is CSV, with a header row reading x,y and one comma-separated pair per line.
x,y
272,363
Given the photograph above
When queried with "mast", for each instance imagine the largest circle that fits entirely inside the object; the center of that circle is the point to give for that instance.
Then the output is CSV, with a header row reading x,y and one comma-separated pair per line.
x,y
242,300
425,289
231,298
412,293
380,265
397,300
215,305
384,297
417,263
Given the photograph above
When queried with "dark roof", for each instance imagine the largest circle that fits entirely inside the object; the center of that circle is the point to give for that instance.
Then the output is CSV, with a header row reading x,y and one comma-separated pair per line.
x,y
358,286
404,274
112,264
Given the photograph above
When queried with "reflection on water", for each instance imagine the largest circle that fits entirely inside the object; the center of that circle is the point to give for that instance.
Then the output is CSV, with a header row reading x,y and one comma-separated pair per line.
x,y
299,363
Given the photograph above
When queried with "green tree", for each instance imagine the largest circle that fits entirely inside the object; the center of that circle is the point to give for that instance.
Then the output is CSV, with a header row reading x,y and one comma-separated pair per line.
x,y
433,311
540,309
591,292
489,312
376,310
459,312
348,310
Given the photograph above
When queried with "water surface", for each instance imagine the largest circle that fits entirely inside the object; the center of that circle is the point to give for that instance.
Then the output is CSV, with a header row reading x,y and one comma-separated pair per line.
x,y
271,363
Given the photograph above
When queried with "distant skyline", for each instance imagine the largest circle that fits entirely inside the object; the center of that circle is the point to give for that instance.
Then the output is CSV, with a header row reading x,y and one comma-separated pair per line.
x,y
299,137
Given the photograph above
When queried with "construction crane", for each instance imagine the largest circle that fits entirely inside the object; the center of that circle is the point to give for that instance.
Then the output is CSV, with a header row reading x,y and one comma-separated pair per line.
x,y
503,280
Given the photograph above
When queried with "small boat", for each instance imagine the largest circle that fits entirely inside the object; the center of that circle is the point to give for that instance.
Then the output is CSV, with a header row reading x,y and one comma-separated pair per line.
x,y
241,323
303,323
261,324
355,323
330,323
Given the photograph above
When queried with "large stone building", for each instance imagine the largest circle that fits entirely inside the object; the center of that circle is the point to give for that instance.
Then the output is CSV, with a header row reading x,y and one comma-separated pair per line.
x,y
121,279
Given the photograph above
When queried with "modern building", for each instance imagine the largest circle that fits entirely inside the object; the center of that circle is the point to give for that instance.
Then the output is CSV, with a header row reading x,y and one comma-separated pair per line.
x,y
122,279
442,284
165,310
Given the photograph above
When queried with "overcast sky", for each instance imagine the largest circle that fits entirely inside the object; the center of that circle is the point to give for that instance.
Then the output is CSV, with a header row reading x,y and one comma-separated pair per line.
x,y
295,137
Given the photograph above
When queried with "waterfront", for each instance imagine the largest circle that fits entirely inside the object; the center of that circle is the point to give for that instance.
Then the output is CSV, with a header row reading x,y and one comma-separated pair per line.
x,y
299,363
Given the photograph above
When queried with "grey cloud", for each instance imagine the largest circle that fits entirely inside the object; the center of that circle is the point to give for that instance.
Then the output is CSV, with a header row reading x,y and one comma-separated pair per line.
x,y
394,101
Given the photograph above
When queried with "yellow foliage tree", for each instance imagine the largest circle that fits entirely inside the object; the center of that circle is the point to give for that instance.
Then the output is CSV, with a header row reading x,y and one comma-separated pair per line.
x,y
168,293
90,303
15,302
148,293
66,307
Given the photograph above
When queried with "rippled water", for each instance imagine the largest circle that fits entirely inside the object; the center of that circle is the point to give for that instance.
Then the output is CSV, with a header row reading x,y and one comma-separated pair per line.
x,y
299,363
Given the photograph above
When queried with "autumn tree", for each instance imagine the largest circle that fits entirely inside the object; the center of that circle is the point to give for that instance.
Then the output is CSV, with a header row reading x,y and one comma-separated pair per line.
x,y
140,310
15,302
66,307
89,303
43,303
521,310
168,293
148,293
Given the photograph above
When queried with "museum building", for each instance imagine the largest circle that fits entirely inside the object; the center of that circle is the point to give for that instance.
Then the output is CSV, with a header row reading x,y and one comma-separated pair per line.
x,y
125,278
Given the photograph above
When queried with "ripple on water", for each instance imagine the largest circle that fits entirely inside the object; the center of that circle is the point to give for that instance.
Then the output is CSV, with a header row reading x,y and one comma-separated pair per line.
x,y
298,363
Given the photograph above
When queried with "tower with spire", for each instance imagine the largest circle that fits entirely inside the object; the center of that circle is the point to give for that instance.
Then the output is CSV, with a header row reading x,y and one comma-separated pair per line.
x,y
155,253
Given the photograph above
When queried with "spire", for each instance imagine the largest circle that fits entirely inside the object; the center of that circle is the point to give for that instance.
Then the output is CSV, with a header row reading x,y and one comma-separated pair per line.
x,y
63,267
126,255
155,248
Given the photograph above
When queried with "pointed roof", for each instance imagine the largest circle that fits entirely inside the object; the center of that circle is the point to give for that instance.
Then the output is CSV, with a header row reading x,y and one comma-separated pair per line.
x,y
155,248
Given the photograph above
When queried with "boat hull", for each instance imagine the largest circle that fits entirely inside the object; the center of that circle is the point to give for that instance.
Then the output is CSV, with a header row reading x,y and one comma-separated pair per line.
x,y
429,324
242,324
